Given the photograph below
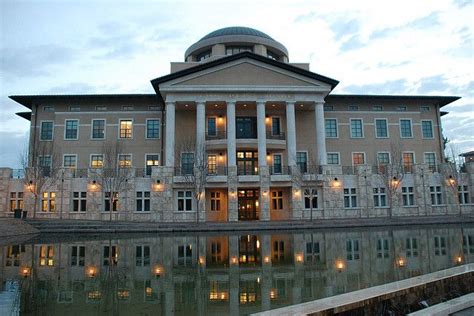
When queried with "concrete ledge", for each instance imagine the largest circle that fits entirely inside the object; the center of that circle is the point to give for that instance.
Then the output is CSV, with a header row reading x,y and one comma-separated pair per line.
x,y
449,307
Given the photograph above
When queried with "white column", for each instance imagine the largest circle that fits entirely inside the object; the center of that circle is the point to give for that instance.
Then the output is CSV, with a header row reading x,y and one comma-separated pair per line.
x,y
261,134
320,133
170,131
200,130
291,133
231,147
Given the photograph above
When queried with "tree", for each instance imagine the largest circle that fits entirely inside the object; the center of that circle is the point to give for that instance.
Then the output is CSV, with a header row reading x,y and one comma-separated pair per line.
x,y
451,172
114,173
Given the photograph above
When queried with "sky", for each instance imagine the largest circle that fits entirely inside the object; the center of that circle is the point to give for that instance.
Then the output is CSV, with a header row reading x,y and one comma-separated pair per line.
x,y
371,47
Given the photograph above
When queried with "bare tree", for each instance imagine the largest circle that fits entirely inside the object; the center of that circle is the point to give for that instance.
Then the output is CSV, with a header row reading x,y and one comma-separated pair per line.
x,y
41,167
451,172
113,176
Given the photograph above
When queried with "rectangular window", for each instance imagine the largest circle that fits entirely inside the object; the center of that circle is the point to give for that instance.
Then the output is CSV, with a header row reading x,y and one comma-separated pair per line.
x,y
408,161
377,108
98,129
427,129
215,201
142,256
78,254
380,197
358,159
48,202
405,129
71,129
185,200
127,107
97,161
48,108
212,164
352,249
310,199
101,108
411,246
126,128
333,158
216,252
357,128
381,129
143,201
401,108
110,200
276,126
211,126
46,131
277,200
440,245
153,128
187,163
313,252
383,159
468,244
328,108
46,163
436,195
185,255
125,160
430,160
463,194
151,160
302,161
382,249
73,108
353,108
331,128
46,256
16,201
79,201
277,167
350,197
12,257
424,108
110,256
408,196
70,161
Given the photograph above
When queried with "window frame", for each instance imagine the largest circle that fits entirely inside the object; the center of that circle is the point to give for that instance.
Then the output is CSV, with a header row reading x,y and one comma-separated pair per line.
x,y
41,131
146,128
119,136
386,128
125,166
337,127
277,117
185,199
90,161
352,158
75,160
338,154
65,129
401,130
146,162
306,162
423,131
211,117
273,164
92,129
362,127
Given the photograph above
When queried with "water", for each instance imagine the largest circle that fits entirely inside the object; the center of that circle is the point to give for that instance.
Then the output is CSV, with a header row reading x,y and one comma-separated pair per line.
x,y
220,274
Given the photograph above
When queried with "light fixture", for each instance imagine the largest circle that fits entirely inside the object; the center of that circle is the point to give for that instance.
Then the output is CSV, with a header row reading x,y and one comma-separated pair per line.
x,y
94,185
234,260
216,105
186,105
401,262
245,105
299,258
395,182
301,105
157,271
25,271
451,180
266,259
340,265
91,271
202,261
273,105
459,259
336,182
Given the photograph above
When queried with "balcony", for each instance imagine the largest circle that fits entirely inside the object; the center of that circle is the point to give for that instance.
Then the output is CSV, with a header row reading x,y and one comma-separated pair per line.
x,y
280,136
217,135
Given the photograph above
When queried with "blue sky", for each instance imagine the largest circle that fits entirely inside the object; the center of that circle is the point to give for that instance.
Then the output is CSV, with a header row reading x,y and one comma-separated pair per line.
x,y
371,47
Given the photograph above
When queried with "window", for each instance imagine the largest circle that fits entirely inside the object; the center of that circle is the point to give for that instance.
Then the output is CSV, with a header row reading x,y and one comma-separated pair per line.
x,y
13,255
211,126
310,199
405,129
277,200
231,50
380,197
216,252
408,161
381,130
382,249
71,129
440,245
126,129
45,163
333,158
142,256
277,168
110,255
401,108
328,108
187,163
272,55
383,158
108,199
463,194
356,128
151,160
153,128
48,202
46,256
78,254
73,108
16,201
331,128
411,246
153,108
353,108
430,160
98,129
185,255
127,108
278,252
377,108
424,108
79,201
352,250
101,108
427,129
436,195
408,196
215,201
69,161
212,164
48,108
302,161
143,201
204,55
468,244
125,160
313,252
358,159
185,200
46,131
97,161
350,197
276,126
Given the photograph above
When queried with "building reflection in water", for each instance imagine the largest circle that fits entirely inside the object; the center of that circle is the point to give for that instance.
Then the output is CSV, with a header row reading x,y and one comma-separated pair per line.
x,y
226,274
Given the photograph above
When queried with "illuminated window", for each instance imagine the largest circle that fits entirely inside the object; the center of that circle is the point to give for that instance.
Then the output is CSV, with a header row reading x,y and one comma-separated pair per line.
x,y
358,159
277,200
97,161
16,201
215,201
126,128
151,160
125,160
46,256
408,161
48,202
212,164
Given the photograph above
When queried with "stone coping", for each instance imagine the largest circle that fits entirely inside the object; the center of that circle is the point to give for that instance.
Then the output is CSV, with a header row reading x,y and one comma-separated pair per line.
x,y
12,228
347,301
449,307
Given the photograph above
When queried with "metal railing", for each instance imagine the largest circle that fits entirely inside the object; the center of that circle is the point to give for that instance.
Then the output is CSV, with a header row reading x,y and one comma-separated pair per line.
x,y
217,171
247,171
217,135
279,170
79,173
280,136
186,171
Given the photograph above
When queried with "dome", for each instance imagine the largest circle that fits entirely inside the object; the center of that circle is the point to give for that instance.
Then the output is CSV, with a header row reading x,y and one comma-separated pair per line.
x,y
236,30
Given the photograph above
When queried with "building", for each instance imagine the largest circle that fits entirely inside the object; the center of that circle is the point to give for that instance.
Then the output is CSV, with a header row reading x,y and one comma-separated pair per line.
x,y
237,132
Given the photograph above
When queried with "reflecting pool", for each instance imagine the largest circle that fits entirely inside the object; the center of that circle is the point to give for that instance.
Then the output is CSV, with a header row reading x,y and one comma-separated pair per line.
x,y
219,274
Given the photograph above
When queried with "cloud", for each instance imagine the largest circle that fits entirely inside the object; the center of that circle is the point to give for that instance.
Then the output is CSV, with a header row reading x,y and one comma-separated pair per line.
x,y
72,88
343,28
308,17
11,150
423,23
352,43
387,87
432,84
462,3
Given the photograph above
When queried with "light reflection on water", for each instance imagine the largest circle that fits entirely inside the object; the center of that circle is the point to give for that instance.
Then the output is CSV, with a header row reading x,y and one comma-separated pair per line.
x,y
220,274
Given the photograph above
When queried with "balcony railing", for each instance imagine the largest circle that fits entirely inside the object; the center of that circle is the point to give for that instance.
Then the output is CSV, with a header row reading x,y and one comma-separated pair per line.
x,y
247,171
280,170
217,171
186,171
280,136
217,135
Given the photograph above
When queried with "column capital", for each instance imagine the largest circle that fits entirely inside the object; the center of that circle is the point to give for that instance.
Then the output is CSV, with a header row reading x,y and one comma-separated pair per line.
x,y
232,102
290,102
200,102
167,103
319,102
260,102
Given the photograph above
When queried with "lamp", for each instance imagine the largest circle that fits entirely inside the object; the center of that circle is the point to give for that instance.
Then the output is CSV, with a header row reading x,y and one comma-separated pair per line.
x,y
401,262
336,182
157,271
94,185
91,271
451,180
25,271
340,265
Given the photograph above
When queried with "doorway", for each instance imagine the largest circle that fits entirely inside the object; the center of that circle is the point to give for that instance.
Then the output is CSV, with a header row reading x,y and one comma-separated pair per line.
x,y
248,204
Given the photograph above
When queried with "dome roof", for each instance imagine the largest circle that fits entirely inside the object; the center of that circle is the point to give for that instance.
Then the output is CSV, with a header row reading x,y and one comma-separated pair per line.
x,y
236,30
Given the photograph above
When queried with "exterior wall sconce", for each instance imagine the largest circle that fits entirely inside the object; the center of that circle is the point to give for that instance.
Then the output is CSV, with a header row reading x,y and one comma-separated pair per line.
x,y
30,185
91,272
157,271
234,260
336,183
158,186
273,294
94,185
25,271
202,260
221,156
401,262
296,193
267,119
264,193
220,119
340,265
266,259
451,180
299,258
395,182
459,259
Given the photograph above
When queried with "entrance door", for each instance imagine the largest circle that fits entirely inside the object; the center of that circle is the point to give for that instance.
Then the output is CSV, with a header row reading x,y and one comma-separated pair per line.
x,y
246,127
248,205
247,163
